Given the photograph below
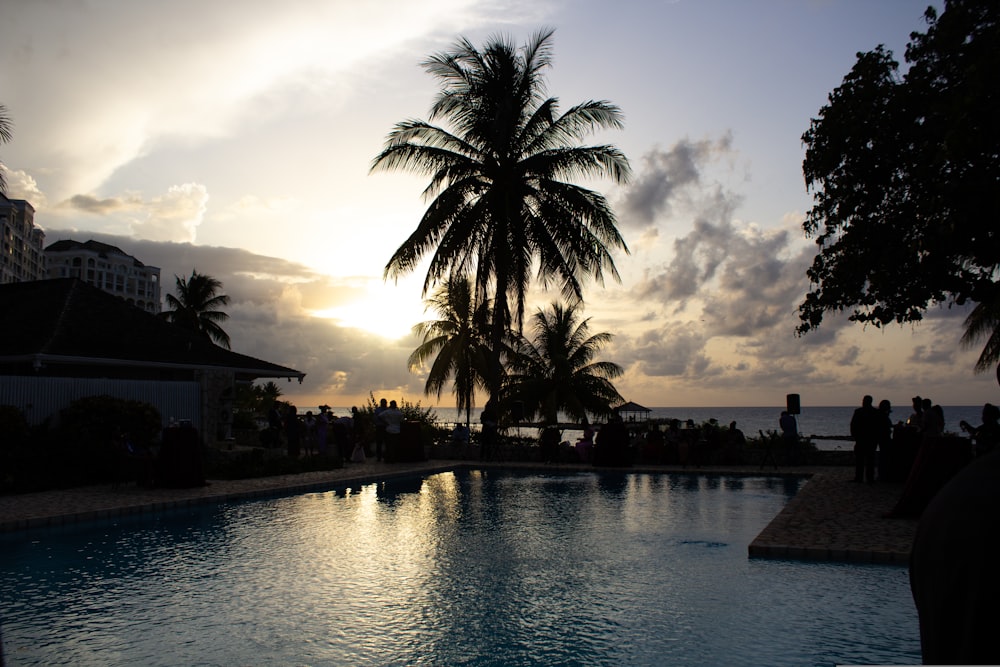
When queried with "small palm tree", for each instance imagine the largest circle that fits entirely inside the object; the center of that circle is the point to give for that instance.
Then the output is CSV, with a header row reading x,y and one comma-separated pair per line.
x,y
196,307
503,207
456,342
983,322
556,372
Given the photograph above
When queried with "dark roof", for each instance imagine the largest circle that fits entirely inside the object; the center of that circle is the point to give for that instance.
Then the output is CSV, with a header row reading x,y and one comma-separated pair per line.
x,y
631,407
102,249
65,320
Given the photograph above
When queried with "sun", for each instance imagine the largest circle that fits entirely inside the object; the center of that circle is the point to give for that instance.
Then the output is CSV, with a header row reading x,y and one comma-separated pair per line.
x,y
385,310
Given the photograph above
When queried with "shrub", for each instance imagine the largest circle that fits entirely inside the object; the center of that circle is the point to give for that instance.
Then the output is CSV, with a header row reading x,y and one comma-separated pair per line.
x,y
13,427
89,430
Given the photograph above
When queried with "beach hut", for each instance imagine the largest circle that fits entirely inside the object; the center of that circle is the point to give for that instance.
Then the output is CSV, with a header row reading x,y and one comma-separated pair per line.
x,y
630,412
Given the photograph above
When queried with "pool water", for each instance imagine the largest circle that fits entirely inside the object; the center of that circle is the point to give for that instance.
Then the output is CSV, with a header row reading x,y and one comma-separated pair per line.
x,y
464,568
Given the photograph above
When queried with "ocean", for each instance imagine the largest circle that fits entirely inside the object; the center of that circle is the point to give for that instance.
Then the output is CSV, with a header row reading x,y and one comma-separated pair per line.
x,y
825,421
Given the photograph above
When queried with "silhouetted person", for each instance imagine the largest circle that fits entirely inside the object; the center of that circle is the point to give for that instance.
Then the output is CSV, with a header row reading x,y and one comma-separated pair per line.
x,y
789,428
392,418
383,405
916,419
933,419
735,436
789,436
611,447
886,452
322,430
953,568
293,431
549,444
866,426
987,435
488,432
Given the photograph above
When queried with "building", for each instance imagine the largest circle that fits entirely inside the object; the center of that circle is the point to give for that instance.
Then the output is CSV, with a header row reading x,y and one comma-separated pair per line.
x,y
107,268
23,258
64,340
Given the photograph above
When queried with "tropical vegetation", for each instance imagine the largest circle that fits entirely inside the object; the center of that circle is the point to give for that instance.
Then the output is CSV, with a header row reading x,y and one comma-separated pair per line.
x,y
196,307
557,372
6,134
455,345
905,171
502,208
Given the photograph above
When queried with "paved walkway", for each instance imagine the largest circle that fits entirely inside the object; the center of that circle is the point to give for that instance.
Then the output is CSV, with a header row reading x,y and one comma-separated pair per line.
x,y
830,518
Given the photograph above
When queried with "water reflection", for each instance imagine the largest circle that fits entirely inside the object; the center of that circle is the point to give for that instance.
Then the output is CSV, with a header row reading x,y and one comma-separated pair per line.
x,y
476,568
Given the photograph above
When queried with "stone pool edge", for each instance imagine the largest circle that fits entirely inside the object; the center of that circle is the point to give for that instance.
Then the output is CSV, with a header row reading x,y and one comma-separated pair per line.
x,y
829,519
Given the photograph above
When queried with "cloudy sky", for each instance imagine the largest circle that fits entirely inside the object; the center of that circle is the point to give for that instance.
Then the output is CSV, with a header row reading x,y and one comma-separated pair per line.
x,y
235,138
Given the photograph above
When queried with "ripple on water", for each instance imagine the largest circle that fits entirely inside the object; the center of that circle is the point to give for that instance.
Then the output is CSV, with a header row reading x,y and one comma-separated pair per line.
x,y
466,569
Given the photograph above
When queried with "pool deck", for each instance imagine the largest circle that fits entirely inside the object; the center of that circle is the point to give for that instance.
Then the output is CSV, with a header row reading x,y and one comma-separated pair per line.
x,y
831,518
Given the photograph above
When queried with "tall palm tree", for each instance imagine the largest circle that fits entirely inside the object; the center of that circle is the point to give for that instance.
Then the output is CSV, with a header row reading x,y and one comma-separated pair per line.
x,y
557,372
196,307
501,206
6,134
457,343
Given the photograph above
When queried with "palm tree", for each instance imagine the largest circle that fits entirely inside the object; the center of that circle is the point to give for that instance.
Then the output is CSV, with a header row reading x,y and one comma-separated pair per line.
x,y
457,342
196,307
501,206
983,322
556,372
6,134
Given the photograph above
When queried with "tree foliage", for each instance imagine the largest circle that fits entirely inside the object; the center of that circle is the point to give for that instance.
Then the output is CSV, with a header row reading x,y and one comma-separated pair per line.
x,y
502,206
905,173
196,307
557,371
456,344
6,134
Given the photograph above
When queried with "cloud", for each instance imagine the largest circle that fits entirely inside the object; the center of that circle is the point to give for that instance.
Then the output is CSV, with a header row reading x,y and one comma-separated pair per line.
x,y
271,300
92,204
21,185
135,77
714,309
664,176
172,216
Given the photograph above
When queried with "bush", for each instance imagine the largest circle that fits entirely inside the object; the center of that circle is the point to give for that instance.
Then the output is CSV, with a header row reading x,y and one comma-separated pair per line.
x,y
90,430
258,463
13,428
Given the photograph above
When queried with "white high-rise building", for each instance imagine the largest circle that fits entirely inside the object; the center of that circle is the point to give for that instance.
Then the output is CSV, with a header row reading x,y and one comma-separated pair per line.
x,y
108,268
22,257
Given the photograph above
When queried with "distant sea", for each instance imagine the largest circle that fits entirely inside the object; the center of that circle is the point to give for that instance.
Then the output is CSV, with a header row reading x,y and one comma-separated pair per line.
x,y
827,421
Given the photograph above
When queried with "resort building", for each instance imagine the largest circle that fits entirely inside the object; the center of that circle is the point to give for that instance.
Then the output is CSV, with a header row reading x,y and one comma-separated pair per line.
x,y
107,268
22,258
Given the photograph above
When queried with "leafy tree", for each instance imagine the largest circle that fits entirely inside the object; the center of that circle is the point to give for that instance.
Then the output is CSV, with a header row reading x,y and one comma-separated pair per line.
x,y
6,134
457,343
556,372
196,307
501,204
905,175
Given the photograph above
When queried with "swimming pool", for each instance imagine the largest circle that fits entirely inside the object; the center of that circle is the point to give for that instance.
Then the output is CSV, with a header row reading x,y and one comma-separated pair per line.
x,y
464,568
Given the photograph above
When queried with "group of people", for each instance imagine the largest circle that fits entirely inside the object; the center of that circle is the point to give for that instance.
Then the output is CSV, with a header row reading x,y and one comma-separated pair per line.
x,y
875,434
325,434
692,444
871,428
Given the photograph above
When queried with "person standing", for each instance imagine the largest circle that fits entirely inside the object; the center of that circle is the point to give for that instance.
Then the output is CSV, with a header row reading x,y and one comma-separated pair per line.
x,y
322,426
886,453
392,419
866,426
986,436
293,431
380,429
